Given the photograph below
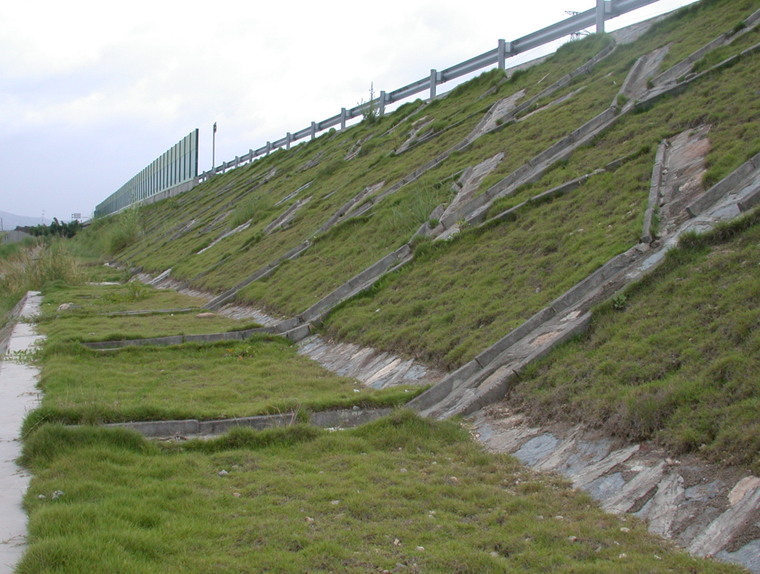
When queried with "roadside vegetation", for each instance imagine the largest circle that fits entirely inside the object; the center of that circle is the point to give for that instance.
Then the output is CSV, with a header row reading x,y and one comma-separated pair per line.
x,y
399,494
673,358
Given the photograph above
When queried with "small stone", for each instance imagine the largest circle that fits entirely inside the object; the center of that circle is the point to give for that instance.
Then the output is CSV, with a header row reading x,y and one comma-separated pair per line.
x,y
222,473
41,496
403,470
396,542
559,517
657,557
453,480
236,494
420,549
621,556
625,529
57,494
335,502
205,315
309,520
572,538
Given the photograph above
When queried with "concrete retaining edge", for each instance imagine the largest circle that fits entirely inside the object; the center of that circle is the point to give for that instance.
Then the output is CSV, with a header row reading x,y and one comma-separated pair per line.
x,y
11,320
344,418
718,190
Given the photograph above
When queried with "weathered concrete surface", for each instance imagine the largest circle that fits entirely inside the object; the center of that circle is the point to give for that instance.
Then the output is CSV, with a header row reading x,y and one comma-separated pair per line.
x,y
638,80
466,187
710,510
373,368
419,129
683,170
287,216
192,428
226,234
500,113
18,395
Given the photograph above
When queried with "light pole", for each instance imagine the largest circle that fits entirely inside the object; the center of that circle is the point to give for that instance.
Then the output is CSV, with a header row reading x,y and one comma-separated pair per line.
x,y
213,149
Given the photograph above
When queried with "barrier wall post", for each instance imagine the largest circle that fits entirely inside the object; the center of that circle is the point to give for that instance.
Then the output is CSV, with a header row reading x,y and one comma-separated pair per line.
x,y
381,106
342,119
600,16
433,77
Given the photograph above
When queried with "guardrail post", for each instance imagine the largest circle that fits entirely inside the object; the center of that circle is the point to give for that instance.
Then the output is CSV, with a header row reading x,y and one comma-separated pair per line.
x,y
600,16
287,141
313,130
433,78
381,104
502,54
250,155
269,147
342,119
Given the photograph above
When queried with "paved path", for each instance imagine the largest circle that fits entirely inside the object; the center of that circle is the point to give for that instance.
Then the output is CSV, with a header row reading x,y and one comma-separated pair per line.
x,y
18,395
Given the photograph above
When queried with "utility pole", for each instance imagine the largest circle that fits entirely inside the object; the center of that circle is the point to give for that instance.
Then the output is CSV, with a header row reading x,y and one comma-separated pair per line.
x,y
213,149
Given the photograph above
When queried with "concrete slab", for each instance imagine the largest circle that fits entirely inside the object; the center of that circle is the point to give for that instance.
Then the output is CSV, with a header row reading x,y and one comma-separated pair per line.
x,y
605,486
662,509
722,530
636,489
18,395
594,471
747,556
537,449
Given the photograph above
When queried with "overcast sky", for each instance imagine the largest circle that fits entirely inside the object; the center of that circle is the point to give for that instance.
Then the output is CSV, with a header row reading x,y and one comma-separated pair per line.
x,y
91,92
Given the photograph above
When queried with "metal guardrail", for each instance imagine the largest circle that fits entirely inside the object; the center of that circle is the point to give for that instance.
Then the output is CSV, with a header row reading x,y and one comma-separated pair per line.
x,y
604,10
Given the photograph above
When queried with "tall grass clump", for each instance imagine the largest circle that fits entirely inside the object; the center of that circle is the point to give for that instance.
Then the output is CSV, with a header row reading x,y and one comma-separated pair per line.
x,y
254,210
124,231
34,267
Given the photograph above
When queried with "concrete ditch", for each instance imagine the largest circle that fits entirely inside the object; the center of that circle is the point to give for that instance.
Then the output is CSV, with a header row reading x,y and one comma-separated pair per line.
x,y
18,395
192,428
709,510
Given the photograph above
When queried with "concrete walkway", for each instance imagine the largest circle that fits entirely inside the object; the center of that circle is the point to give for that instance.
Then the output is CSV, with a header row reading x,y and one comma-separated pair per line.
x,y
18,395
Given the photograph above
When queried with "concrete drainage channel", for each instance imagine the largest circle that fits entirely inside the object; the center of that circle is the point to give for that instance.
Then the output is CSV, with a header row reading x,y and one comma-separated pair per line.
x,y
191,428
18,395
709,510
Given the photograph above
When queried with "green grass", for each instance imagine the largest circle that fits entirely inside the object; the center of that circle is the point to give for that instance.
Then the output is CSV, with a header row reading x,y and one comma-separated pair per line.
x,y
458,297
262,375
674,359
100,299
401,490
96,314
117,328
346,250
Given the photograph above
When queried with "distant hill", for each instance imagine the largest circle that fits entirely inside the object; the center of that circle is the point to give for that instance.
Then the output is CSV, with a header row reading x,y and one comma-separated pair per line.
x,y
11,221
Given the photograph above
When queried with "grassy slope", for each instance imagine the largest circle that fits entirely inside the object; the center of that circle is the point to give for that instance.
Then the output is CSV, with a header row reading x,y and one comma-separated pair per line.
x,y
676,359
457,298
299,499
